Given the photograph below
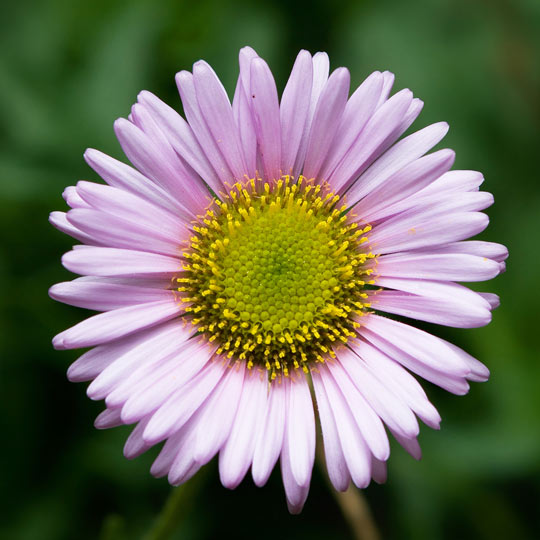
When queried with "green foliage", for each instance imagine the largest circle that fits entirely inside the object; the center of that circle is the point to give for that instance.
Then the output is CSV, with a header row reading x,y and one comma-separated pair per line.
x,y
68,69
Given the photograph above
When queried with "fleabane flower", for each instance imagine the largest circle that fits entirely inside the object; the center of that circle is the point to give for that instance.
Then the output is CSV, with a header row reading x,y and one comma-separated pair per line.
x,y
245,266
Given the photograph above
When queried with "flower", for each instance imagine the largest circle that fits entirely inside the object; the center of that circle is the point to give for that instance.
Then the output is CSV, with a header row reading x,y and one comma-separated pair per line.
x,y
243,265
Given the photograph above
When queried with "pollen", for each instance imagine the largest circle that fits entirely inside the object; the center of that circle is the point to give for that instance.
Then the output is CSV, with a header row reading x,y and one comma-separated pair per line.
x,y
275,274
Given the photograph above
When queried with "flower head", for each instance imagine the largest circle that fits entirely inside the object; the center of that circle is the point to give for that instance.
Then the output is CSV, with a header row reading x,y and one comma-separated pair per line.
x,y
247,257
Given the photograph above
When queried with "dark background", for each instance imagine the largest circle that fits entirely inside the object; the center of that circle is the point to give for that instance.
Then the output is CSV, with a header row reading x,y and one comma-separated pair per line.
x,y
68,69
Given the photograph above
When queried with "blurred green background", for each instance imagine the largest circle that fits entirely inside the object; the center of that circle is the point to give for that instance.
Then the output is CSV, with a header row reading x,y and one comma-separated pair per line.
x,y
68,69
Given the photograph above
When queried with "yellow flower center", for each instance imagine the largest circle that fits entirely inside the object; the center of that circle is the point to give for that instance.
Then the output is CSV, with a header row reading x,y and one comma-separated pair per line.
x,y
275,274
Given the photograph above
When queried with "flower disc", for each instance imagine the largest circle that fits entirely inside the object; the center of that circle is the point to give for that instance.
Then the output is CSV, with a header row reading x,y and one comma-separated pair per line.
x,y
275,274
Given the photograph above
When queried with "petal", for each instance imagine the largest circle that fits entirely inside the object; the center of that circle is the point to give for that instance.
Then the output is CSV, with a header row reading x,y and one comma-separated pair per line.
x,y
73,199
243,118
396,158
456,181
427,349
368,422
218,414
117,232
270,437
367,146
336,465
301,430
326,120
420,230
101,261
217,112
103,295
321,65
437,266
118,323
93,362
398,381
122,176
407,181
265,107
237,453
358,111
135,444
59,220
489,250
355,450
295,494
186,87
181,138
182,404
129,354
391,409
123,204
388,82
108,419
159,166
147,388
294,109
431,309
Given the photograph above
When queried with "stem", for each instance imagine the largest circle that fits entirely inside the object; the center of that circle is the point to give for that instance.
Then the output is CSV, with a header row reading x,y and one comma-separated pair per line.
x,y
176,507
353,505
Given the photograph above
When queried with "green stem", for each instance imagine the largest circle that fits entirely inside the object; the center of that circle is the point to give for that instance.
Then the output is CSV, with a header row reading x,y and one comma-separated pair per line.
x,y
177,506
353,505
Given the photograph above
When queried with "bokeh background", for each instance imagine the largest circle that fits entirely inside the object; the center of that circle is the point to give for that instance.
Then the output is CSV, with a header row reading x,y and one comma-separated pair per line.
x,y
68,69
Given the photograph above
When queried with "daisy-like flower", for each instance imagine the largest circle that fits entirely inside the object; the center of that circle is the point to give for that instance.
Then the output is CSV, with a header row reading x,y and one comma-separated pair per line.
x,y
244,266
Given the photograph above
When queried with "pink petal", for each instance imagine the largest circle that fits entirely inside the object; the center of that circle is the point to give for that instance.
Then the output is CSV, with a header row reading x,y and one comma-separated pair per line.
x,y
355,450
437,266
398,381
150,385
417,230
368,421
186,87
294,109
391,409
108,419
407,181
181,138
101,261
104,296
129,354
120,233
321,65
427,349
243,118
159,165
217,112
295,494
326,120
301,430
135,444
59,220
366,147
181,405
122,176
115,324
270,436
128,206
431,309
336,465
237,453
218,414
401,154
359,109
265,107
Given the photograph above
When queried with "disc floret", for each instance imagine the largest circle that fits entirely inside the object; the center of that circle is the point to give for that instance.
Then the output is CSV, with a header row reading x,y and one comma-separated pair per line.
x,y
275,274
